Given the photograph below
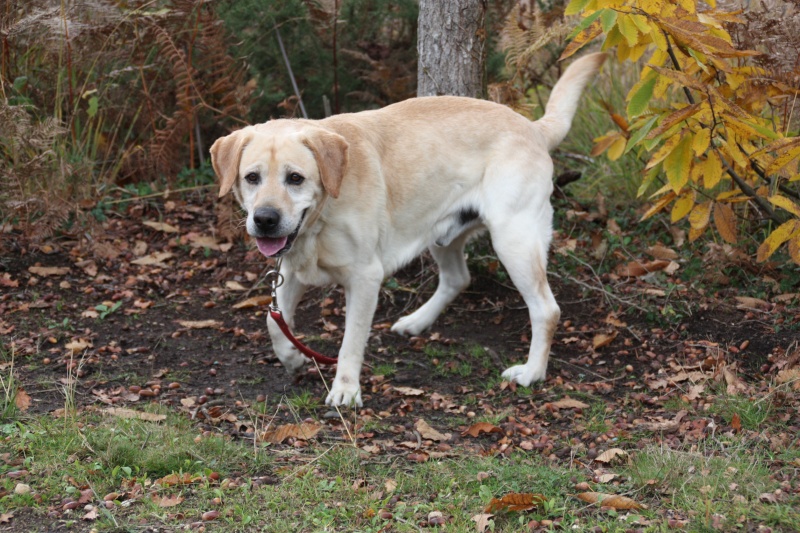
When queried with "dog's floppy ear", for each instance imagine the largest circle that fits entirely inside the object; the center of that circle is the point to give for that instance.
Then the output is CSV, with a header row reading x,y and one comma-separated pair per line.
x,y
226,153
330,151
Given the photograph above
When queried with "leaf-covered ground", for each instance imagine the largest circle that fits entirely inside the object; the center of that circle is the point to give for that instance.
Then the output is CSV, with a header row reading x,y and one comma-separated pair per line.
x,y
661,347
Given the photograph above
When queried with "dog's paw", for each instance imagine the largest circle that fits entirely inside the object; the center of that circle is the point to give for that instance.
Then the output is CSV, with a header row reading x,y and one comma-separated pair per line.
x,y
345,394
523,375
410,325
292,360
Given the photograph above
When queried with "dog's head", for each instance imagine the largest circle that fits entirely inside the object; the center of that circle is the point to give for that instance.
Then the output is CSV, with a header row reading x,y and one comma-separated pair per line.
x,y
278,172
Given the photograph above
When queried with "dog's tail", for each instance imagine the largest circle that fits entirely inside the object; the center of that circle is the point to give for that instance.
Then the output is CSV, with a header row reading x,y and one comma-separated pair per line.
x,y
564,97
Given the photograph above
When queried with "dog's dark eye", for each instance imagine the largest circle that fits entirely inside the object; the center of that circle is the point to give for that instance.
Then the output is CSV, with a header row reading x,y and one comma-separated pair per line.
x,y
294,179
252,178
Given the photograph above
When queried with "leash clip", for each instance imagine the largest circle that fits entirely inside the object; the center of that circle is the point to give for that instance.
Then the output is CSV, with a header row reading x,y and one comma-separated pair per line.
x,y
275,280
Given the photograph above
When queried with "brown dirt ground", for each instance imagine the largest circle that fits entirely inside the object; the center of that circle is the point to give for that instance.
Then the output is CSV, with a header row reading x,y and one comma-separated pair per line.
x,y
140,353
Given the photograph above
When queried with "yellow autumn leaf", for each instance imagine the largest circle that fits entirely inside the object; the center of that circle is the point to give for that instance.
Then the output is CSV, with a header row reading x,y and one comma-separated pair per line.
x,y
678,163
735,153
659,205
786,204
725,221
638,51
617,148
602,143
674,118
663,152
613,38
682,207
702,140
780,235
583,38
700,215
784,159
628,29
712,170
575,7
794,247
641,23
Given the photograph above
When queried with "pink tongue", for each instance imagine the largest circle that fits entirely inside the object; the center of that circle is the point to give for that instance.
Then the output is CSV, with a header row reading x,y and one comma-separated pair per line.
x,y
270,247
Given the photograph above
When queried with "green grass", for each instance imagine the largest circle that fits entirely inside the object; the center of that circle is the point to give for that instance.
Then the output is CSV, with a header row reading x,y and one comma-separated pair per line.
x,y
752,413
721,477
303,401
342,488
384,369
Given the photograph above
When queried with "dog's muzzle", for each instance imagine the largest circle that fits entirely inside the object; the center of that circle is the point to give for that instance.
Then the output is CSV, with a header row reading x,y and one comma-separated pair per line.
x,y
267,220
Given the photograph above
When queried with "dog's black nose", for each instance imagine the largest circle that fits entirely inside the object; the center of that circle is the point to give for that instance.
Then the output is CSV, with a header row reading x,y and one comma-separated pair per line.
x,y
266,219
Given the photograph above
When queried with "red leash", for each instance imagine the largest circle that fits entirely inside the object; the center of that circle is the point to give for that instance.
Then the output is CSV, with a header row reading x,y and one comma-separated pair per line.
x,y
275,280
277,316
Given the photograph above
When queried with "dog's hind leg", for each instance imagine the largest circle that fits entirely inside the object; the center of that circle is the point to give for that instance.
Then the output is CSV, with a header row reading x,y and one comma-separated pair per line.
x,y
453,278
289,294
521,243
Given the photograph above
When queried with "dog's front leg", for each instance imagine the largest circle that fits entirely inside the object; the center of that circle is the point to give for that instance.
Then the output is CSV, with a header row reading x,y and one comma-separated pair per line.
x,y
361,294
289,294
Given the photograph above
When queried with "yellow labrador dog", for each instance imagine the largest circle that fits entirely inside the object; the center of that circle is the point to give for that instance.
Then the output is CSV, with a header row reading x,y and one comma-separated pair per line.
x,y
352,198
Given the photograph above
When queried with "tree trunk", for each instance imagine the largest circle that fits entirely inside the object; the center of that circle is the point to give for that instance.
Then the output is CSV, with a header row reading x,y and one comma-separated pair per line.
x,y
452,47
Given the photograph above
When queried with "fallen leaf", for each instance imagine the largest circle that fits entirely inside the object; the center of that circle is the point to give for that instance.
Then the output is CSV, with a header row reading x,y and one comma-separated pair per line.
x,y
6,281
634,269
89,267
482,521
255,301
602,340
178,479
122,412
48,271
91,515
481,427
615,321
154,259
736,422
609,455
5,518
409,391
200,324
569,403
140,248
22,400
209,515
620,503
427,432
160,226
515,501
748,302
167,501
695,391
77,346
436,518
768,497
390,485
235,286
305,431
605,478
789,375
662,252
666,425
204,241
